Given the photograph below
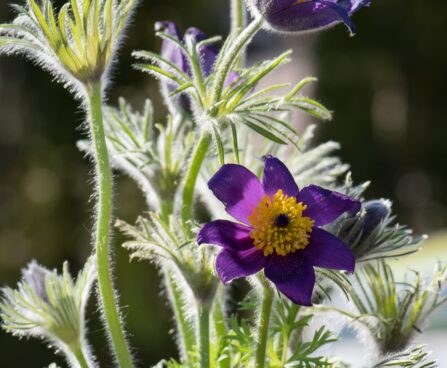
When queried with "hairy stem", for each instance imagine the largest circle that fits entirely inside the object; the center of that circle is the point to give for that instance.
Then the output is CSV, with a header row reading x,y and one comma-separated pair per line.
x,y
264,322
184,327
220,327
192,174
238,18
79,355
102,233
204,334
166,209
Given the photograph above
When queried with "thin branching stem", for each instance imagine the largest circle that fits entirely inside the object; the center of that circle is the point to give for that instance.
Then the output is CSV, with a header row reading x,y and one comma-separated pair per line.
x,y
192,174
102,233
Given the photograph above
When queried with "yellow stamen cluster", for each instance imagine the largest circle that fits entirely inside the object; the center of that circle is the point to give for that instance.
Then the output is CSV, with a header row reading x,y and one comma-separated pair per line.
x,y
279,225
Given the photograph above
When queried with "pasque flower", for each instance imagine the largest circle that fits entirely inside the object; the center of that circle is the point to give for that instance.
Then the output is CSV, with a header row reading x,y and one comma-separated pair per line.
x,y
279,228
307,15
173,53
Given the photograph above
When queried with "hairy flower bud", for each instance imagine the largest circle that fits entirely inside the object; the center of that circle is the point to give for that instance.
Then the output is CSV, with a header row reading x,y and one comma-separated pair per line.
x,y
376,212
307,15
76,44
52,307
174,53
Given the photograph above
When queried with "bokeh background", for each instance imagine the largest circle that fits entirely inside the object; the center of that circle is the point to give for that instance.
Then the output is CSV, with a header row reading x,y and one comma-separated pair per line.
x,y
387,86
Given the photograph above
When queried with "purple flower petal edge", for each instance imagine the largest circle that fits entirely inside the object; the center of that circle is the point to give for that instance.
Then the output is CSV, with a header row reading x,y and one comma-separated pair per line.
x,y
324,206
233,265
226,234
293,275
238,189
327,251
277,176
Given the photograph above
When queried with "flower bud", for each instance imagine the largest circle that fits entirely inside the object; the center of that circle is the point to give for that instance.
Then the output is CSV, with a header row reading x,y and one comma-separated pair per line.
x,y
376,211
307,15
173,53
50,306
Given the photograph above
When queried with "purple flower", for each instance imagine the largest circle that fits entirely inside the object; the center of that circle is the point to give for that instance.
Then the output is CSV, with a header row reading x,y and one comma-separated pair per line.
x,y
308,15
279,228
173,53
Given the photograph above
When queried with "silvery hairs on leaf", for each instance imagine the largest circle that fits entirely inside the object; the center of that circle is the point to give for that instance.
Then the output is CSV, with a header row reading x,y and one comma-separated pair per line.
x,y
171,245
373,234
217,105
187,269
50,306
413,357
76,45
151,154
397,311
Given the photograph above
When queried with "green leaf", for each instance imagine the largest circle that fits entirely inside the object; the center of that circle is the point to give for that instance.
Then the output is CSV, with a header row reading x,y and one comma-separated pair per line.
x,y
264,132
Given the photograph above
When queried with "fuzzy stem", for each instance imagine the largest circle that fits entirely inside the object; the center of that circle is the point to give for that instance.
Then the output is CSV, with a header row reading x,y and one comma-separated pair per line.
x,y
285,349
78,353
204,334
264,326
237,13
166,209
220,328
184,328
102,233
192,174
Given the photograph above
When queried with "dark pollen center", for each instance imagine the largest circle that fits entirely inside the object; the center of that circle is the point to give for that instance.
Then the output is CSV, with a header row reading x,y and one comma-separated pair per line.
x,y
282,221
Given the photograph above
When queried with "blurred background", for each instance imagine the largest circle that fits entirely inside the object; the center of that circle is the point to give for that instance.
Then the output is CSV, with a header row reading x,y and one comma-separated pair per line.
x,y
386,86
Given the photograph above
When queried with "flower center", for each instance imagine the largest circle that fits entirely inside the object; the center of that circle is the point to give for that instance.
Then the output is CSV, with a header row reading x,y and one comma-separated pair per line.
x,y
279,225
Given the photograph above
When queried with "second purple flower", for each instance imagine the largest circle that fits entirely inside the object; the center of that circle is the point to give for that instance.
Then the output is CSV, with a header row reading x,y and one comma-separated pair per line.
x,y
279,228
173,53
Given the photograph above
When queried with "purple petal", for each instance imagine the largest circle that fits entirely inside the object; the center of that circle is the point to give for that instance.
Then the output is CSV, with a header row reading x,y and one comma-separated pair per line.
x,y
173,53
327,251
277,176
324,206
233,265
208,53
293,275
308,15
238,189
226,234
169,50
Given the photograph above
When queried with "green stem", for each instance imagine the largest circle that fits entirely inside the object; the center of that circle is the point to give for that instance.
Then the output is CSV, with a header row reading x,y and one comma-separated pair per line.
x,y
102,233
184,328
166,209
204,334
76,349
220,328
285,349
264,327
192,174
238,19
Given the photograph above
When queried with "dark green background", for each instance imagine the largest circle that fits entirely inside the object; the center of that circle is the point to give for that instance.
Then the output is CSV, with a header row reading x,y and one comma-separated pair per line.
x,y
386,86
